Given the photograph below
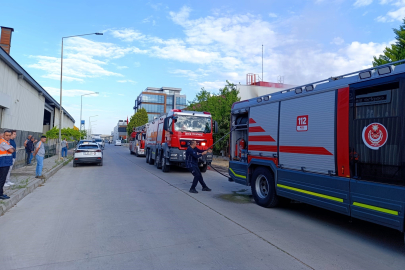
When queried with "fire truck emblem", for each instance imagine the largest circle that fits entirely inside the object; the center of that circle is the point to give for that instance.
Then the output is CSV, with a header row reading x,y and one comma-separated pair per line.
x,y
375,136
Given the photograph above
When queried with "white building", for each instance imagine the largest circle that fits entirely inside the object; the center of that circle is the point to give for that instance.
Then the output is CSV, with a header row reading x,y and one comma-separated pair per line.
x,y
24,105
120,131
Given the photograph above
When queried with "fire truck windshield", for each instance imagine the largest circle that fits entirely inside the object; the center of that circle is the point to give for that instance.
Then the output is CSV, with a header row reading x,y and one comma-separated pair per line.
x,y
192,124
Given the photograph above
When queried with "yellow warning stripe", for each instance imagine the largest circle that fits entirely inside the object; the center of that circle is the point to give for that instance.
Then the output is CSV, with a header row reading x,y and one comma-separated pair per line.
x,y
237,175
311,193
380,209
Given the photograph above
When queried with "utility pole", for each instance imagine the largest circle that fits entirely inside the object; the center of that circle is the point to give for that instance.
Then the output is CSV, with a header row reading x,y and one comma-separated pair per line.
x,y
262,64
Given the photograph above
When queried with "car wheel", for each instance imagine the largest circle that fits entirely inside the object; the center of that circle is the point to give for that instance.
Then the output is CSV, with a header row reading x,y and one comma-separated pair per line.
x,y
263,188
151,161
204,168
74,164
100,164
165,167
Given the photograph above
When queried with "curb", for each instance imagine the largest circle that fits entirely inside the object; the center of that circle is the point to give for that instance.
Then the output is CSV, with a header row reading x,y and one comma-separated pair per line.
x,y
5,205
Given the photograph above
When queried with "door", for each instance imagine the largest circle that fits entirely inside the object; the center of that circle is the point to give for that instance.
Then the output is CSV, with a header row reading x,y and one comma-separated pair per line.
x,y
377,151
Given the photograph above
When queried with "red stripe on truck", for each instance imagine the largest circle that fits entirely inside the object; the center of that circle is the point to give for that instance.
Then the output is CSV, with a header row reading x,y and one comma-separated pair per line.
x,y
310,150
342,133
251,121
264,138
256,129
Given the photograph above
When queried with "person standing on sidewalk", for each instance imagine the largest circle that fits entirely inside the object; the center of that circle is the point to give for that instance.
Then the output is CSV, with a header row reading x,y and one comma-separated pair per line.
x,y
29,150
13,144
64,146
39,155
26,145
192,156
6,160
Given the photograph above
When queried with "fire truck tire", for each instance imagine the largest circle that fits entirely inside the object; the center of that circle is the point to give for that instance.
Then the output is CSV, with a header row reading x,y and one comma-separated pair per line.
x,y
158,161
263,188
151,161
147,156
203,168
165,167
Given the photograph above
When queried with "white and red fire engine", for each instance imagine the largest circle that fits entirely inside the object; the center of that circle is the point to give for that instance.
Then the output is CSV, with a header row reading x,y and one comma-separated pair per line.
x,y
337,144
137,143
168,137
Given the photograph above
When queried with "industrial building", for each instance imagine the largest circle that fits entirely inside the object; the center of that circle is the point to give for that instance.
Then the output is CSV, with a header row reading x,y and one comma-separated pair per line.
x,y
120,130
157,101
24,104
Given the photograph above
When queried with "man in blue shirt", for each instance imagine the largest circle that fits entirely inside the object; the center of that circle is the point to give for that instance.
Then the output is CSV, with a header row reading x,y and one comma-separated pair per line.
x,y
13,144
192,156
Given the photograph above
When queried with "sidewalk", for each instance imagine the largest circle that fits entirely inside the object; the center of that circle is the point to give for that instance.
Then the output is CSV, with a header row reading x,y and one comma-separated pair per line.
x,y
25,181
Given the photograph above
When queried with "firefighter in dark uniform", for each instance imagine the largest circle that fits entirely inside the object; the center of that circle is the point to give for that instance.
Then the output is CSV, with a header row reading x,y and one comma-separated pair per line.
x,y
192,156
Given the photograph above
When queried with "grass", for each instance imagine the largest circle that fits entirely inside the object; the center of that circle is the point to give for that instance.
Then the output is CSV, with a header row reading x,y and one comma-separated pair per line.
x,y
22,184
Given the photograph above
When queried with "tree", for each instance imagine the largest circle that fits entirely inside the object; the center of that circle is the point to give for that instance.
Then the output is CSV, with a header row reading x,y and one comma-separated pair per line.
x,y
219,105
397,50
68,133
140,118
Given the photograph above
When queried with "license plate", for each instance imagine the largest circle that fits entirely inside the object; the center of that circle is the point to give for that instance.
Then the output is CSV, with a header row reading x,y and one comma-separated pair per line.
x,y
89,153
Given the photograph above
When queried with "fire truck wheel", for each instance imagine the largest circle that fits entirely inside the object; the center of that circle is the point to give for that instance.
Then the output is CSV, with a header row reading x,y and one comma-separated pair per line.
x,y
203,168
165,167
158,161
147,156
151,161
263,188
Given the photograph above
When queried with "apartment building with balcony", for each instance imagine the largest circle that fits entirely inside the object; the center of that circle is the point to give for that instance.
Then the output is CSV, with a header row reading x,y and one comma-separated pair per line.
x,y
158,101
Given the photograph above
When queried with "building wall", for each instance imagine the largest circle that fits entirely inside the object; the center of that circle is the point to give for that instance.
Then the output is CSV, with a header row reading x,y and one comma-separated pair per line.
x,y
26,110
66,121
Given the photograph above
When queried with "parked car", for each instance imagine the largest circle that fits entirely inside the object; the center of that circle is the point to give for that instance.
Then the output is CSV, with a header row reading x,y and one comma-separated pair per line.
x,y
83,142
118,142
88,153
100,142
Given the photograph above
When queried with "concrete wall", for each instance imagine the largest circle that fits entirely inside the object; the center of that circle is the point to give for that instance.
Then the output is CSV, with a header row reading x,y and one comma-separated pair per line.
x,y
66,121
26,110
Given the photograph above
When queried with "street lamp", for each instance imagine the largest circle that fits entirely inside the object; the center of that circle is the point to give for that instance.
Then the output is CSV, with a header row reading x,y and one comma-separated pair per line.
x,y
61,71
90,123
81,107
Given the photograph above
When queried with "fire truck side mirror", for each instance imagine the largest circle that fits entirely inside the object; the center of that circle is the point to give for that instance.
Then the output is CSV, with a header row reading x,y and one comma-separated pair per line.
x,y
165,124
215,127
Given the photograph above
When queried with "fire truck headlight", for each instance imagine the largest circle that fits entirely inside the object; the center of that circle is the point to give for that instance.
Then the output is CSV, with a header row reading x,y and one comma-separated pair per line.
x,y
203,144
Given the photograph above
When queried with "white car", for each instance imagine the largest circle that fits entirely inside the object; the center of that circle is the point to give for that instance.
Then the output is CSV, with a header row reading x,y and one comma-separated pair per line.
x,y
118,142
88,153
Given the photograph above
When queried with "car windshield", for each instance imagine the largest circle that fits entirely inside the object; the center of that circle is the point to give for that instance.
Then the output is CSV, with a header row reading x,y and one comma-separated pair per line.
x,y
81,142
88,146
98,140
193,123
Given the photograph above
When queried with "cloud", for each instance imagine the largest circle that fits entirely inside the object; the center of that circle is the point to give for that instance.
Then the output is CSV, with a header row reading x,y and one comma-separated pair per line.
x,y
337,41
122,67
216,85
128,35
55,92
273,15
395,15
126,81
362,3
83,58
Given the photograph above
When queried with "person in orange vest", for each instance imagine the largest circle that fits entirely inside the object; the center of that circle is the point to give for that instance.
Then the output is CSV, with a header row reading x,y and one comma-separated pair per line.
x,y
6,160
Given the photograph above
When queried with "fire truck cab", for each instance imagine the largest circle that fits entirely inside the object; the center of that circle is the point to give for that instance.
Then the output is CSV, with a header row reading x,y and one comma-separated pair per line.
x,y
137,144
338,144
169,135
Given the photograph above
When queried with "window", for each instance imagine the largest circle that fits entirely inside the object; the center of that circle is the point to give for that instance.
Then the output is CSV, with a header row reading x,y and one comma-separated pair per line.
x,y
88,146
181,101
153,98
122,129
193,124
152,116
169,100
169,107
153,108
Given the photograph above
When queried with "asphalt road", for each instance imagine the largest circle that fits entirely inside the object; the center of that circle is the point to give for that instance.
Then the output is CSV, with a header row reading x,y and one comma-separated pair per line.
x,y
129,215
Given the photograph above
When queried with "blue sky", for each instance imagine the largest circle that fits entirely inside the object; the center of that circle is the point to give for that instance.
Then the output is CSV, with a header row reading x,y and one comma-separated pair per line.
x,y
190,44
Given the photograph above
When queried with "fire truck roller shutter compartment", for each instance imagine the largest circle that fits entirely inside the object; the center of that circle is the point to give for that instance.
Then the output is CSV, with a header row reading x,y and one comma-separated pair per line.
x,y
263,129
307,133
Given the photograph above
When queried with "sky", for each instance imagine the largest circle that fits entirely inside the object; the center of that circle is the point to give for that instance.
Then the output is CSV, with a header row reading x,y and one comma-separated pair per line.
x,y
190,45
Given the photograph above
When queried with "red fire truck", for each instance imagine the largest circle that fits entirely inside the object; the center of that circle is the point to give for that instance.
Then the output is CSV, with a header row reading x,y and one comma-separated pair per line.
x,y
168,136
338,144
137,144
